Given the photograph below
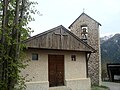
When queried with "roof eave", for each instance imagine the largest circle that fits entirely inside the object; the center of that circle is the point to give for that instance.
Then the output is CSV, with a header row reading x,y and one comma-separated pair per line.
x,y
60,49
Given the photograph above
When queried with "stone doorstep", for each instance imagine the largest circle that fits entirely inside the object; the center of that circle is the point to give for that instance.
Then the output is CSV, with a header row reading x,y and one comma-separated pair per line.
x,y
59,88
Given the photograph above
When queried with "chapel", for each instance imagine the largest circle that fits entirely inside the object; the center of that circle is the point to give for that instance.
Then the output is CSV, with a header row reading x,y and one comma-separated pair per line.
x,y
62,57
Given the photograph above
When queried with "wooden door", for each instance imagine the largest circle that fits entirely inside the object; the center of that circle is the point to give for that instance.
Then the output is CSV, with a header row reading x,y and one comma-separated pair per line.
x,y
56,70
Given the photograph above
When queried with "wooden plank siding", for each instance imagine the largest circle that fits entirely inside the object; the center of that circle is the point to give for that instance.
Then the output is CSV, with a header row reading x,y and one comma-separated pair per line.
x,y
58,38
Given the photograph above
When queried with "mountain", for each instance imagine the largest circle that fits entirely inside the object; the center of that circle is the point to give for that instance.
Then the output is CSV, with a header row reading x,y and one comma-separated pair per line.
x,y
105,38
110,49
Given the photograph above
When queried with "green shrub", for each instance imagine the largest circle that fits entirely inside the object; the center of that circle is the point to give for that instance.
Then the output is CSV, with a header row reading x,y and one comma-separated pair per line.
x,y
99,88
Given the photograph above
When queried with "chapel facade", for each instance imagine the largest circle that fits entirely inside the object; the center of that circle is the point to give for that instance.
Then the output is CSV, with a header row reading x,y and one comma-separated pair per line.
x,y
62,57
87,29
57,58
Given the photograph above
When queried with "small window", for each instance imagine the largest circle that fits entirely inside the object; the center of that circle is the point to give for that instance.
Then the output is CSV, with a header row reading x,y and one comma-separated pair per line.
x,y
34,56
73,57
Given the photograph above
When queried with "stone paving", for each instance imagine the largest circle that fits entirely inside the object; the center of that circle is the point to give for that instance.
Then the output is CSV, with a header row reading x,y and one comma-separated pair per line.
x,y
111,85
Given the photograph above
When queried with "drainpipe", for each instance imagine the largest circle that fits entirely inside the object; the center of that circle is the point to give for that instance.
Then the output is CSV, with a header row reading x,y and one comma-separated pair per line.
x,y
87,59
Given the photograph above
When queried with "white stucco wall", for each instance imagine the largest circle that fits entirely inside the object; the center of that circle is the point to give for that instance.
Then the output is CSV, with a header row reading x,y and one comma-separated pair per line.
x,y
75,71
37,69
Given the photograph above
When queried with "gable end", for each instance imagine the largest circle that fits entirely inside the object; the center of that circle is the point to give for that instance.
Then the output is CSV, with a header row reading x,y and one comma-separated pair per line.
x,y
80,16
58,38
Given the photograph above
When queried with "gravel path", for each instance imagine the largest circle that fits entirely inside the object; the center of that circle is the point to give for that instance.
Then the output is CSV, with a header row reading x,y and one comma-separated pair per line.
x,y
111,85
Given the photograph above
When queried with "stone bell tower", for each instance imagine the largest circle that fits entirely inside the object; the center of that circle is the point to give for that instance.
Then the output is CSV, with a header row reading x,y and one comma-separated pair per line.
x,y
87,29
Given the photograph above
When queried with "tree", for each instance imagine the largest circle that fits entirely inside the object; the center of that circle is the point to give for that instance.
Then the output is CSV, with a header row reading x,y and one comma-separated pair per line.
x,y
14,17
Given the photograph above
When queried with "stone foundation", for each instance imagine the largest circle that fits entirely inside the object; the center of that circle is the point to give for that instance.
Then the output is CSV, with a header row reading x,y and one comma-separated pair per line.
x,y
71,84
79,84
44,85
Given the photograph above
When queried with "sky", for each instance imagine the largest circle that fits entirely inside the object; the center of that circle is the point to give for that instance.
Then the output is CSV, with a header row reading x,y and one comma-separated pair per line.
x,y
64,12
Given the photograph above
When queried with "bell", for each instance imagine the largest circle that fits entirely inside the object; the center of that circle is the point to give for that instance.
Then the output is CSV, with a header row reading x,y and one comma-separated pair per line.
x,y
84,31
84,34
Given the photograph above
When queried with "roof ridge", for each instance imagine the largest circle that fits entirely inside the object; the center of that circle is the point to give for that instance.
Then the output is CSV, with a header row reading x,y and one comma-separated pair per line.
x,y
87,16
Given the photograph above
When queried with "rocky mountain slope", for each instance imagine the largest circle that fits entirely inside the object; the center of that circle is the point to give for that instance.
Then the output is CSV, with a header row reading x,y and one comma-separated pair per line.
x,y
110,49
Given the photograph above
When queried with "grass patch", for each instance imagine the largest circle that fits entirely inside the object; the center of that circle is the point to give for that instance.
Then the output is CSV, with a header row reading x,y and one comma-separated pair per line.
x,y
99,88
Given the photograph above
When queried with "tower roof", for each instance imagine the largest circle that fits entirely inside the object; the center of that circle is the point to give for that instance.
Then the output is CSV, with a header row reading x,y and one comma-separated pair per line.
x,y
87,16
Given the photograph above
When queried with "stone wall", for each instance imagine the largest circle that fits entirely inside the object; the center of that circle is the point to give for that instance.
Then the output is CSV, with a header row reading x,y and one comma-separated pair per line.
x,y
94,63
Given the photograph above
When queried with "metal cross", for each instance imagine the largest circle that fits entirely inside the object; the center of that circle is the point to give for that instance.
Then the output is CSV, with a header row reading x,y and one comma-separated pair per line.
x,y
83,10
